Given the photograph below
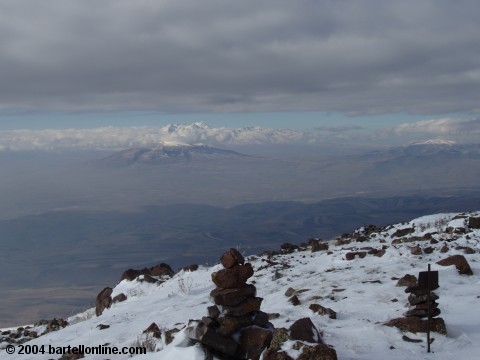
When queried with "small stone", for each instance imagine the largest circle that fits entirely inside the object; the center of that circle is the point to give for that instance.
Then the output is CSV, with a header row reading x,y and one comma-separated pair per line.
x,y
416,250
154,330
213,312
231,258
294,300
119,298
290,291
319,309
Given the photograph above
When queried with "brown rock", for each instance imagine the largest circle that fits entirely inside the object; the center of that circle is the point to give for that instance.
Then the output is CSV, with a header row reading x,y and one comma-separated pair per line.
x,y
474,222
407,280
131,274
319,246
103,300
414,300
414,324
304,330
460,263
403,232
119,298
247,306
212,339
191,268
230,324
380,253
157,270
290,291
319,309
253,340
350,255
154,330
161,270
231,258
294,300
421,313
416,250
232,297
234,277
428,250
444,249
320,351
213,311
273,354
261,319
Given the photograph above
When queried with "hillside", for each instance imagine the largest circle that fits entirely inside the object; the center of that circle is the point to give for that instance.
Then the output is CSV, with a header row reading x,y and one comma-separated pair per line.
x,y
356,278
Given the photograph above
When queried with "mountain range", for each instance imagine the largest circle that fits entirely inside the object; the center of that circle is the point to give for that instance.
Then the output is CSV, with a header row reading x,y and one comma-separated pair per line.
x,y
168,154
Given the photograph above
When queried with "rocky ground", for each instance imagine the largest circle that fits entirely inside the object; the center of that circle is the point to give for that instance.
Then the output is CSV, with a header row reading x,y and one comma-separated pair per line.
x,y
353,297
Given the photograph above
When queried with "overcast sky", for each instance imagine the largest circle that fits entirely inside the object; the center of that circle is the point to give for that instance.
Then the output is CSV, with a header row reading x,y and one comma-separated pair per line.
x,y
89,63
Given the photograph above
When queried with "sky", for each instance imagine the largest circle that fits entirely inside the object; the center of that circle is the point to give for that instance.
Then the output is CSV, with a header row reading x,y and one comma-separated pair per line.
x,y
301,64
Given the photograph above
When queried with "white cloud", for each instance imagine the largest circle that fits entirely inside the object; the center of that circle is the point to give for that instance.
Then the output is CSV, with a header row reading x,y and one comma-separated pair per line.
x,y
114,138
443,126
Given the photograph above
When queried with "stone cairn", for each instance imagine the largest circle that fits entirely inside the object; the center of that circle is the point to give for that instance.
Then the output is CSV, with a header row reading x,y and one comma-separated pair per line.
x,y
235,328
419,300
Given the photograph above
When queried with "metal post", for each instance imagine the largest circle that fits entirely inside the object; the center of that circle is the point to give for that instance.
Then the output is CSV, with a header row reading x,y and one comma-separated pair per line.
x,y
428,310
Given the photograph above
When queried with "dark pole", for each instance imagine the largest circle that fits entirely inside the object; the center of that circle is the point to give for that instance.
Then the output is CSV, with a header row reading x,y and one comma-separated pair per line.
x,y
428,309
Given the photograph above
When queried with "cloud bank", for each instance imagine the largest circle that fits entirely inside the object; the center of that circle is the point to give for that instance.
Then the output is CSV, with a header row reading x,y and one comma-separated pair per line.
x,y
117,138
356,57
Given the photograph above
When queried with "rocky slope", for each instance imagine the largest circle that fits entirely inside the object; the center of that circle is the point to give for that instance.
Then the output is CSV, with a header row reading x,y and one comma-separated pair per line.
x,y
342,291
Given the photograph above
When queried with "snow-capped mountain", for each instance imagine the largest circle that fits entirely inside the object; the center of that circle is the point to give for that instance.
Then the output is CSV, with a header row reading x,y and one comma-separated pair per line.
x,y
429,148
169,154
355,277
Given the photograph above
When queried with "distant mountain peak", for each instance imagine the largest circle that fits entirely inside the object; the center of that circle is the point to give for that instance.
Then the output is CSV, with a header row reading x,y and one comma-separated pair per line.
x,y
433,142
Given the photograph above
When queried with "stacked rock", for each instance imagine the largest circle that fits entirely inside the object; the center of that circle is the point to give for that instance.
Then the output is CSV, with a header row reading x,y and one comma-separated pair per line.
x,y
235,328
421,301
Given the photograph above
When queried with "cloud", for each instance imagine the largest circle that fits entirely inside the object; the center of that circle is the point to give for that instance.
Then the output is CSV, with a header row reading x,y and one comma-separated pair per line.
x,y
444,126
355,57
115,138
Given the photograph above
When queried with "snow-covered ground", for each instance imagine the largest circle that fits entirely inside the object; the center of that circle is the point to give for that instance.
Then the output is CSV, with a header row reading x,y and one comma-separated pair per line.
x,y
360,291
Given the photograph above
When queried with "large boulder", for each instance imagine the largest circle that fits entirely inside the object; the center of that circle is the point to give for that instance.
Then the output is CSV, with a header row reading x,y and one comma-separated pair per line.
x,y
460,263
103,300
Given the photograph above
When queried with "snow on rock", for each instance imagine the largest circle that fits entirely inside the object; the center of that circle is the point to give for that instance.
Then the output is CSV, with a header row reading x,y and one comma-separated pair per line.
x,y
362,292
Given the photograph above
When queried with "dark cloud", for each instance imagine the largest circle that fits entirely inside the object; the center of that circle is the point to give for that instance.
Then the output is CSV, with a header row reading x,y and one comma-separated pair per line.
x,y
270,55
